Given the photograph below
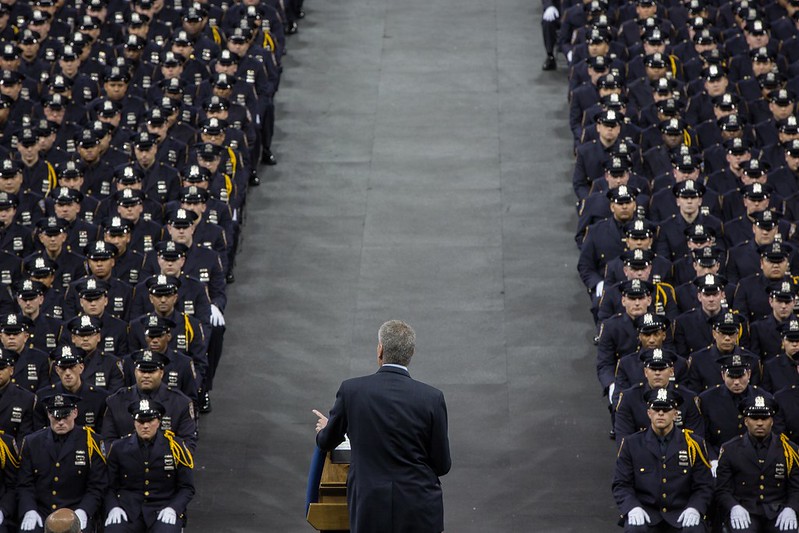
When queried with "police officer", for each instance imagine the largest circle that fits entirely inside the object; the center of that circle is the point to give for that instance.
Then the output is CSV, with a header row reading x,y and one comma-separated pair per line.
x,y
659,373
16,404
662,480
757,483
61,466
101,370
722,405
727,330
692,330
101,259
45,329
68,366
150,475
52,237
765,337
780,371
179,414
31,365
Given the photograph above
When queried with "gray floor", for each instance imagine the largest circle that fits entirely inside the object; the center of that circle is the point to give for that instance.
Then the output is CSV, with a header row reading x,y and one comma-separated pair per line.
x,y
424,175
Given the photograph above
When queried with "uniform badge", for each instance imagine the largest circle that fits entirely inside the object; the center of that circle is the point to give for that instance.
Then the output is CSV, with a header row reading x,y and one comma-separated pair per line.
x,y
241,99
188,307
45,186
205,276
682,458
58,312
99,379
25,93
186,115
169,462
161,186
90,418
50,340
88,216
83,238
16,415
250,76
779,471
17,244
148,243
25,218
109,344
146,82
206,55
66,279
181,342
87,94
95,77
166,423
119,304
33,375
234,144
213,216
172,156
5,277
172,378
105,188
80,457
134,275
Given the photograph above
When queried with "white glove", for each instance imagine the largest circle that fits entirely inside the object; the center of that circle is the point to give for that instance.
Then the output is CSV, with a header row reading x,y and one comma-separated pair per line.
x,y
611,388
739,518
569,56
30,521
116,516
217,318
167,515
714,464
598,288
2,518
551,13
637,517
84,520
786,521
689,518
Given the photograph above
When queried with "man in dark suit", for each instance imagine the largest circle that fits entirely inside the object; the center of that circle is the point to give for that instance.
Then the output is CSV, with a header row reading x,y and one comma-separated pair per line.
x,y
398,432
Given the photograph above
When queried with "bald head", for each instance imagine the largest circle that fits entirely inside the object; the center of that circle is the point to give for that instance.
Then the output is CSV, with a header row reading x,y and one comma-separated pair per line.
x,y
62,521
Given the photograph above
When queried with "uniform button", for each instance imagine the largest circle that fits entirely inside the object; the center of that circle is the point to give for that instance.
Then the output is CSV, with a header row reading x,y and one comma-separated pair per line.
x,y
58,465
761,496
664,480
664,495
55,478
147,482
146,492
54,493
54,506
147,470
762,477
664,467
761,487
664,510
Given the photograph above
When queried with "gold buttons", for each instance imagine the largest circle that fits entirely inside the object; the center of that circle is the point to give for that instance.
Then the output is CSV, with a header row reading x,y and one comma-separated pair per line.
x,y
58,465
146,492
664,480
664,495
664,510
147,482
54,493
55,478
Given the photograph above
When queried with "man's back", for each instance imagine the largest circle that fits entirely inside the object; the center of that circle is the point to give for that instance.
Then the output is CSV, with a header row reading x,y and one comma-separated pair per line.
x,y
398,432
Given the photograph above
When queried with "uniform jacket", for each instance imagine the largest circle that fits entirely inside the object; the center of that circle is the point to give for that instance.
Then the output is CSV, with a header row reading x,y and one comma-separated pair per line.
x,y
723,418
631,410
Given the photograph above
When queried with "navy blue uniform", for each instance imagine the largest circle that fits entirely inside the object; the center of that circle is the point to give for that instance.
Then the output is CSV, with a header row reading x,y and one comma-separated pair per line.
x,y
103,371
722,411
704,372
617,337
16,411
779,372
91,406
631,411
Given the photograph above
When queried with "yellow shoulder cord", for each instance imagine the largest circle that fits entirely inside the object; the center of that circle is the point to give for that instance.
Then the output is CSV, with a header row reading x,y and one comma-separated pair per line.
x,y
268,41
51,177
189,329
232,155
228,185
661,292
686,137
92,444
791,457
6,455
694,449
181,453
215,33
673,65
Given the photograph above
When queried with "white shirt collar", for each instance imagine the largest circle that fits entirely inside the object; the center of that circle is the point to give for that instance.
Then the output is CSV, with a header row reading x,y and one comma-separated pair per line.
x,y
405,368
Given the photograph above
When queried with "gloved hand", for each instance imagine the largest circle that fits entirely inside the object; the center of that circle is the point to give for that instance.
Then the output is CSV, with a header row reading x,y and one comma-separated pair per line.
x,y
714,464
2,517
689,518
551,13
598,288
30,521
217,318
167,515
637,517
569,56
116,515
739,518
611,390
786,521
84,520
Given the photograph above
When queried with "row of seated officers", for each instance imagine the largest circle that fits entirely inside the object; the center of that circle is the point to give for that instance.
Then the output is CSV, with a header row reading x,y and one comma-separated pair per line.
x,y
686,179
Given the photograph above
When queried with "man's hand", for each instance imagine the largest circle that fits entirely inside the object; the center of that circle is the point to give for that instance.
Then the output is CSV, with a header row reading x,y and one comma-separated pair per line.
x,y
217,318
714,464
116,515
84,520
167,515
322,422
786,521
637,517
739,518
30,521
551,13
689,518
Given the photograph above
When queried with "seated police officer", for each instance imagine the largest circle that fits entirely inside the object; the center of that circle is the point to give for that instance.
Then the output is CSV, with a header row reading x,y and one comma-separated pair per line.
x,y
758,484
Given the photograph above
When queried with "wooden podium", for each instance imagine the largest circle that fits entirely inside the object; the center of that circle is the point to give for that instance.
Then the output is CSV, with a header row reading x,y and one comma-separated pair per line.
x,y
330,513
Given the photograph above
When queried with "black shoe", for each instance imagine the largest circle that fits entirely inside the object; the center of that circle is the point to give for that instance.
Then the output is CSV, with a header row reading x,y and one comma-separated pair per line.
x,y
254,179
611,433
550,63
230,278
205,403
292,29
596,340
301,14
267,158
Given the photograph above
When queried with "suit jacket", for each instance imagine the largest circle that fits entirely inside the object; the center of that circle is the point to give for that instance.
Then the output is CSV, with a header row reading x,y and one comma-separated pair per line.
x,y
763,489
398,431
644,476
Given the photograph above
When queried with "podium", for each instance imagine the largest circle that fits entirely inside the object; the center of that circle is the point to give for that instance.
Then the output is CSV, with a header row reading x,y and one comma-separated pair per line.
x,y
329,514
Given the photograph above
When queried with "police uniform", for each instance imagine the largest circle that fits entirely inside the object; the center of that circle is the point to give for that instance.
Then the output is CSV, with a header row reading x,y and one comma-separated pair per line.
x,y
91,405
145,477
757,481
16,405
14,238
45,330
101,370
69,265
61,470
692,329
662,476
671,242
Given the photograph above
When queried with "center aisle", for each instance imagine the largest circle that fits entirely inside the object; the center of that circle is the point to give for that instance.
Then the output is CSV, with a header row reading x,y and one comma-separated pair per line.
x,y
424,174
